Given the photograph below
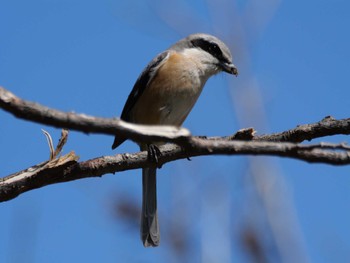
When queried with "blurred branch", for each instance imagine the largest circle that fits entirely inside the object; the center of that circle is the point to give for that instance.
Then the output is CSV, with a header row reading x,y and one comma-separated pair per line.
x,y
244,142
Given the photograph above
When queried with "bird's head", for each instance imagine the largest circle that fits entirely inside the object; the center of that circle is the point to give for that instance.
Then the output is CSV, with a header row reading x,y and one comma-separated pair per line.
x,y
210,51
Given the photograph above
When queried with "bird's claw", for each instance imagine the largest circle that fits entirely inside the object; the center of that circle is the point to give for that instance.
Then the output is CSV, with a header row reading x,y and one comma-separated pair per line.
x,y
153,154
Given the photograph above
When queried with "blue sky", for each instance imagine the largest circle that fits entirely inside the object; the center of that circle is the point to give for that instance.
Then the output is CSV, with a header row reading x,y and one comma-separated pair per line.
x,y
84,56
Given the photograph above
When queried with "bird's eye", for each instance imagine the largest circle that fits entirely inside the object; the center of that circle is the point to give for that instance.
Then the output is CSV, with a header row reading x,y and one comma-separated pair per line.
x,y
210,47
214,48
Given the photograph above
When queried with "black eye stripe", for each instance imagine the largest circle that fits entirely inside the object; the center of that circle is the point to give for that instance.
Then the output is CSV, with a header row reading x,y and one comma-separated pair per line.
x,y
210,47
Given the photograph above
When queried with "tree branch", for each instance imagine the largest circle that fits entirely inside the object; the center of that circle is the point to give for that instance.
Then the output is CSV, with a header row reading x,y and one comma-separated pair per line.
x,y
244,142
326,127
144,133
80,122
66,168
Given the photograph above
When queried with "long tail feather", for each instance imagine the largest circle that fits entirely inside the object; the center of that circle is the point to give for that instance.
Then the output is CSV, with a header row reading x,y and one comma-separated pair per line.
x,y
150,234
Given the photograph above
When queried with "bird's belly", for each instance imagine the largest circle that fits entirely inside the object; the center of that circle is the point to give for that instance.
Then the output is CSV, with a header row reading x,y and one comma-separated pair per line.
x,y
174,109
169,107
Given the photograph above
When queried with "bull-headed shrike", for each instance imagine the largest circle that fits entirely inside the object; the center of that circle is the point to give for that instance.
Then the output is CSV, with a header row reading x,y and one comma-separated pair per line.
x,y
164,94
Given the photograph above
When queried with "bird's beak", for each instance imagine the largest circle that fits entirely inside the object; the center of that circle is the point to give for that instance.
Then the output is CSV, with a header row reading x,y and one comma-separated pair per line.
x,y
229,68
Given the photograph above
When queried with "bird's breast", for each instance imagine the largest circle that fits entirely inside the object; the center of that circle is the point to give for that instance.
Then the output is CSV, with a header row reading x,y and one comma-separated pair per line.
x,y
171,94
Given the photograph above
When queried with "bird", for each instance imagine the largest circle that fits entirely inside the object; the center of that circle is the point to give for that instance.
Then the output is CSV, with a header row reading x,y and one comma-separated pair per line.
x,y
164,94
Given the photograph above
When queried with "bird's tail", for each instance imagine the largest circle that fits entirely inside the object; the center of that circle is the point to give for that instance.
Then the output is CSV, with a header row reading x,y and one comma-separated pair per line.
x,y
150,234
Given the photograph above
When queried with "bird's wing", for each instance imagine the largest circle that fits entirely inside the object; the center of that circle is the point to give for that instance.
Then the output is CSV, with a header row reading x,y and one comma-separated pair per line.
x,y
142,83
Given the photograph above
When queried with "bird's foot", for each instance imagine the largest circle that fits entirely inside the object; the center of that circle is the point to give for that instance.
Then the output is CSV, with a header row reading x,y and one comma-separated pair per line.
x,y
153,154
